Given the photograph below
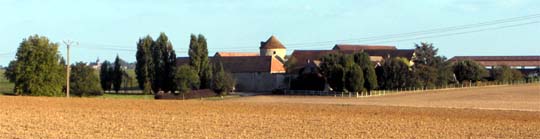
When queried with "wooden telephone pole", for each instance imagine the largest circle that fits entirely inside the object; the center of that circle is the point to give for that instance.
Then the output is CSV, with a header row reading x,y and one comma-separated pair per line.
x,y
68,67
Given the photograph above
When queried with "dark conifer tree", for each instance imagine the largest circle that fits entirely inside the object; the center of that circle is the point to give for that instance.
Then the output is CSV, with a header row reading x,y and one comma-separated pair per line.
x,y
117,75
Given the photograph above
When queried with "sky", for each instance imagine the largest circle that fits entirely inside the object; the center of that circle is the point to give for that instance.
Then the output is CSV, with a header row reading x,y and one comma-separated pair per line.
x,y
106,28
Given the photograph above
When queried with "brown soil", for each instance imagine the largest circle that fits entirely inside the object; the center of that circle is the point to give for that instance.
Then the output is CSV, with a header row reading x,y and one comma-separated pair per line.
x,y
518,97
42,117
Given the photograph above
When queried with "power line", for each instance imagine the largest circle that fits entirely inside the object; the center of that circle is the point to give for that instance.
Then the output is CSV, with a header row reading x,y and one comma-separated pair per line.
x,y
383,38
453,34
466,32
416,33
431,31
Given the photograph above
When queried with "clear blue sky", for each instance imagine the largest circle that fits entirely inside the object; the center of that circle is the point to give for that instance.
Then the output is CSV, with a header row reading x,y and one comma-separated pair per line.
x,y
105,28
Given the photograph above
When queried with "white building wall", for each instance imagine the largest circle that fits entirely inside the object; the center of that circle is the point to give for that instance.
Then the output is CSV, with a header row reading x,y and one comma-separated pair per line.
x,y
258,82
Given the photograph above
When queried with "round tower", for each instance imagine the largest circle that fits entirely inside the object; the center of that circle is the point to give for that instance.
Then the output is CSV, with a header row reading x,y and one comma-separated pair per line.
x,y
273,47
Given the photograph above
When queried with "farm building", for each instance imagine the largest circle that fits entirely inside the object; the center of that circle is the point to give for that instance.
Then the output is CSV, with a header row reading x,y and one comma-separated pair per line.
x,y
529,65
376,52
254,72
264,71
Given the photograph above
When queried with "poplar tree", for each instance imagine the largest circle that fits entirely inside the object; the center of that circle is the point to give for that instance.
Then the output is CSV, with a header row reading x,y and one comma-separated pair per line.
x,y
205,70
164,63
156,64
198,56
354,80
368,69
144,66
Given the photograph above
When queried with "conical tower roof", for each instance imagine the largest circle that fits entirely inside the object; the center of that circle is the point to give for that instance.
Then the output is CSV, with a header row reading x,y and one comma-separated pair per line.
x,y
272,43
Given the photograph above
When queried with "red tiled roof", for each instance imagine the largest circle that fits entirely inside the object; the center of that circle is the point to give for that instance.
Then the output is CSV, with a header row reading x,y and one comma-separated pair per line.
x,y
251,64
501,60
226,54
272,43
405,53
353,47
242,64
277,66
302,56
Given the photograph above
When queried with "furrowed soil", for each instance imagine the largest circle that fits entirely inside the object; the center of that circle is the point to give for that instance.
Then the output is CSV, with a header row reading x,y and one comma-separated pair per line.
x,y
525,97
43,117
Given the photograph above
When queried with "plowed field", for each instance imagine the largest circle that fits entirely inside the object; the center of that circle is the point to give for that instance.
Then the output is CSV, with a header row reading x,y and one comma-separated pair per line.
x,y
42,117
524,97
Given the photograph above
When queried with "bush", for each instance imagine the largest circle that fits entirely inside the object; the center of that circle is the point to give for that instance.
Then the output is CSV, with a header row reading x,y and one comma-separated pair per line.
x,y
84,81
517,75
354,79
222,82
502,74
469,70
186,78
192,94
393,73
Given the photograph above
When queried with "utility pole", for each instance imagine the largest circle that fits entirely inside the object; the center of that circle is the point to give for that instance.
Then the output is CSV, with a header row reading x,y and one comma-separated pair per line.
x,y
68,67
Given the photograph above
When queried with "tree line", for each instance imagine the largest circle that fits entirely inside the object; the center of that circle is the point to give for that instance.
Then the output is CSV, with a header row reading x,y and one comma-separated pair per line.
x,y
38,70
157,70
356,73
111,75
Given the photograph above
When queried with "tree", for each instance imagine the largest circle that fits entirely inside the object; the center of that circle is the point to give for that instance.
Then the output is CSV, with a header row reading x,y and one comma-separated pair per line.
x,y
222,82
144,66
393,73
37,70
170,67
63,74
156,63
84,80
469,70
444,71
517,75
502,74
428,67
309,78
117,75
333,71
105,75
186,78
370,77
290,64
505,74
354,81
10,72
164,63
425,54
198,54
